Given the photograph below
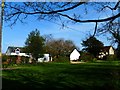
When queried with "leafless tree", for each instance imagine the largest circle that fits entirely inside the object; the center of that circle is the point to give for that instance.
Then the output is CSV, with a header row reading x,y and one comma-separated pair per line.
x,y
59,47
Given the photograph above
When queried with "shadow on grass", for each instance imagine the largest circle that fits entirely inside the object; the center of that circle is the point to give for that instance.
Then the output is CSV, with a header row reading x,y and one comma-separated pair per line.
x,y
33,85
63,76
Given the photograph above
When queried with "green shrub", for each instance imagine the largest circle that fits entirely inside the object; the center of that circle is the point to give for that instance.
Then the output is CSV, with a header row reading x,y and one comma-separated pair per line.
x,y
5,61
111,58
62,59
94,60
25,59
13,58
86,57
4,58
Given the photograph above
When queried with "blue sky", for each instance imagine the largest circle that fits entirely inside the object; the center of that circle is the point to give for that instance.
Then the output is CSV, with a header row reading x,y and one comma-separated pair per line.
x,y
17,34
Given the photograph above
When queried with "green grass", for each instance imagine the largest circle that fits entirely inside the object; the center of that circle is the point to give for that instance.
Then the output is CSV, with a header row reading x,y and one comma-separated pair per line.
x,y
85,76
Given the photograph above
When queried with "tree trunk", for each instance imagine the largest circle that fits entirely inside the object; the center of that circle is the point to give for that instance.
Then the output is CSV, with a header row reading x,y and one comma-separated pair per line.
x,y
118,48
118,51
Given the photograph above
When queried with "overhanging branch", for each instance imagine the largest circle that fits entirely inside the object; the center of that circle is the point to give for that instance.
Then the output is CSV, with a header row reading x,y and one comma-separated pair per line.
x,y
114,8
95,29
49,12
86,21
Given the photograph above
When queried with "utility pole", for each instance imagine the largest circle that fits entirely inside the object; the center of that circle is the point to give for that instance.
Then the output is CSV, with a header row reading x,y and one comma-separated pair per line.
x,y
1,24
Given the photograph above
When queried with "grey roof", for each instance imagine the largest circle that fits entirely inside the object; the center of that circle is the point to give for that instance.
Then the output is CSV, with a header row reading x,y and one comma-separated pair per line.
x,y
12,49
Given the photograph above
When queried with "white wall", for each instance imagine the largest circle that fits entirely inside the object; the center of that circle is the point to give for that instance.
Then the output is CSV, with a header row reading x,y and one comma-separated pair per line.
x,y
46,58
74,55
20,54
111,51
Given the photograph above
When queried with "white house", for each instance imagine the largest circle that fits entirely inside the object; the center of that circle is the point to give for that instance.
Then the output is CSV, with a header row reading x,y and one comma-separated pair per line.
x,y
15,51
107,50
45,58
18,51
74,56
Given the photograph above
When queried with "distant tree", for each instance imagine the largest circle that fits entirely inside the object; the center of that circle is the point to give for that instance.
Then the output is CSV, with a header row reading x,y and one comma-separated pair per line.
x,y
59,47
34,44
92,45
48,37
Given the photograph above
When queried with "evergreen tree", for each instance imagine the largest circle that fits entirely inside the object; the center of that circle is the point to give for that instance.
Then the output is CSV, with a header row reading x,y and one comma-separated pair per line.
x,y
92,45
34,44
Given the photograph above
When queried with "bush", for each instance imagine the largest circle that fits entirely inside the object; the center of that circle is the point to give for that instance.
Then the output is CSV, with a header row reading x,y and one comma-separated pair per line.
x,y
13,58
86,57
111,58
4,58
25,59
5,61
94,60
62,59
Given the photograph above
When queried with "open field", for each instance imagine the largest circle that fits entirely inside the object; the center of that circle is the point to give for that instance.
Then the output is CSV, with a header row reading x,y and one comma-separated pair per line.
x,y
85,76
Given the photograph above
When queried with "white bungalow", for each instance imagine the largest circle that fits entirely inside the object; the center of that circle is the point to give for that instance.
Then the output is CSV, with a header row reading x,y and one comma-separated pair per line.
x,y
16,51
74,56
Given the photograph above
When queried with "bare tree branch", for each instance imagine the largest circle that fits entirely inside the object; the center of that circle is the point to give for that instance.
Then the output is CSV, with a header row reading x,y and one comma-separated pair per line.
x,y
49,12
114,8
55,13
95,29
86,21
36,10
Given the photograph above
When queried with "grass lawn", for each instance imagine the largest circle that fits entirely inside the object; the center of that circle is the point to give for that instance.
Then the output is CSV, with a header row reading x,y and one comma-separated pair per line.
x,y
85,76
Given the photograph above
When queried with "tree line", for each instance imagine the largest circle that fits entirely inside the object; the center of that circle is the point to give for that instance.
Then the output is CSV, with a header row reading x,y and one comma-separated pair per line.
x,y
38,45
56,11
